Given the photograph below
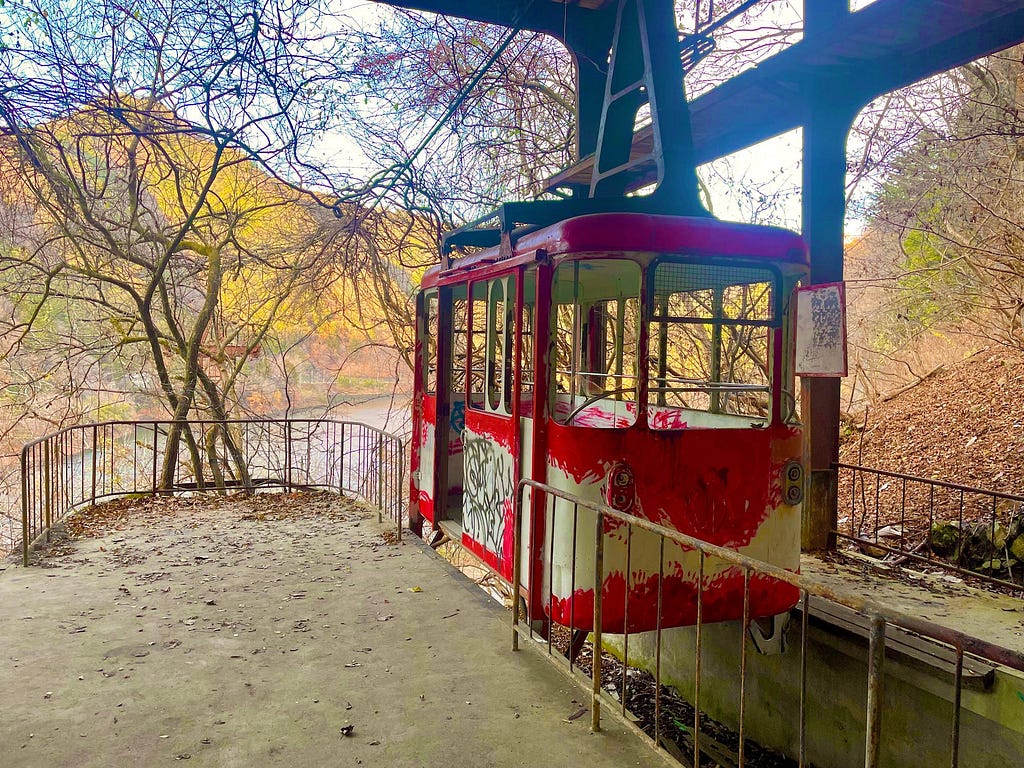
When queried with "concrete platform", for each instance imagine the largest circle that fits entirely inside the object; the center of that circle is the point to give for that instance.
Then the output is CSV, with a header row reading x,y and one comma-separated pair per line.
x,y
941,598
235,635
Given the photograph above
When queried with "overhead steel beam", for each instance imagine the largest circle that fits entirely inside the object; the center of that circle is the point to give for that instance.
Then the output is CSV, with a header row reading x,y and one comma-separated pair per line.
x,y
889,44
535,15
885,46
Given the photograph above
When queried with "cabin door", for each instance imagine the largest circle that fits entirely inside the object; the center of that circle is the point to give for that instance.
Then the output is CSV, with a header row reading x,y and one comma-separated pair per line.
x,y
490,439
451,421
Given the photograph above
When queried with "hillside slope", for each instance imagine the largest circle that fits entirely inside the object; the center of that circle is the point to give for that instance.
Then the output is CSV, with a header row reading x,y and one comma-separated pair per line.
x,y
963,425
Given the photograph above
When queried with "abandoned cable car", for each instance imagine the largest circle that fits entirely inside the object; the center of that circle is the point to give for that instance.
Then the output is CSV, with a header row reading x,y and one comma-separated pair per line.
x,y
642,360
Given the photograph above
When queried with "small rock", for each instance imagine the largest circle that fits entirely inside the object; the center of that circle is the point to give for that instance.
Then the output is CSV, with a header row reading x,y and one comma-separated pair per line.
x,y
944,538
1017,548
866,545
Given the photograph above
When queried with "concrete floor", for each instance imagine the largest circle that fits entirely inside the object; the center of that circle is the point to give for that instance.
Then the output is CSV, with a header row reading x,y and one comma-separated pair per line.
x,y
228,636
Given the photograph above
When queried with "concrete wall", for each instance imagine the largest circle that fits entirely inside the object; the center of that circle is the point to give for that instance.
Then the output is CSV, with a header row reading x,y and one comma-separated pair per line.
x,y
918,710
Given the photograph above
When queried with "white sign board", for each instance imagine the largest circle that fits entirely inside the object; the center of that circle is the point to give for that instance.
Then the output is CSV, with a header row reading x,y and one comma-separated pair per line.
x,y
821,330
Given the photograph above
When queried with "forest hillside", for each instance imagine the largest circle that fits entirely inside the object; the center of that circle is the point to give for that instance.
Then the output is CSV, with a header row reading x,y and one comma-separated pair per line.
x,y
963,423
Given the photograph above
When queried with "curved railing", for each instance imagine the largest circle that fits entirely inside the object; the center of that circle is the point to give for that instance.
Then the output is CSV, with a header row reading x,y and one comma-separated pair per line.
x,y
83,464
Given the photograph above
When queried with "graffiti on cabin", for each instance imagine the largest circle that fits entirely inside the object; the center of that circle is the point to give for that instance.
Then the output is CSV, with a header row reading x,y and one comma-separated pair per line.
x,y
489,487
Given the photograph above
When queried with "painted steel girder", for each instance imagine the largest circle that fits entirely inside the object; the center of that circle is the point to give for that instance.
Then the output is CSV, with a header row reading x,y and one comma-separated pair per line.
x,y
888,45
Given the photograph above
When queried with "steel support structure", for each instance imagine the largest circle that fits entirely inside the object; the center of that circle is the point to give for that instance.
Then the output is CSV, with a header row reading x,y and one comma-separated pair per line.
x,y
826,127
819,84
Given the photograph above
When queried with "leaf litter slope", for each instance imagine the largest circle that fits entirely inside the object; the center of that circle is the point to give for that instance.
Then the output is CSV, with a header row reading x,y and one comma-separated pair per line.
x,y
963,425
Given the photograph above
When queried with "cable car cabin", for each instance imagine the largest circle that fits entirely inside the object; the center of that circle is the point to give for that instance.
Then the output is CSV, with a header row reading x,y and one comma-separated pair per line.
x,y
650,355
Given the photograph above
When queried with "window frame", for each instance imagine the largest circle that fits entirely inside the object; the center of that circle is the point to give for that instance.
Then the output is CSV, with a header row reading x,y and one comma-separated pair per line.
x,y
579,319
652,320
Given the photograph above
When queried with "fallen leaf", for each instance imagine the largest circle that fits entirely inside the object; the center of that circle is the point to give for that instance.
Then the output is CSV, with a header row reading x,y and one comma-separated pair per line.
x,y
576,715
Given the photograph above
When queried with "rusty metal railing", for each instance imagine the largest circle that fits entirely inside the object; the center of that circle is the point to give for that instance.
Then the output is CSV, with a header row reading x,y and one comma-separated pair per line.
x,y
83,464
957,527
879,618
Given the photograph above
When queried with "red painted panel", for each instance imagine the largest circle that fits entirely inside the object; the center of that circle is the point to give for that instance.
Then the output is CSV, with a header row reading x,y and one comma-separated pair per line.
x,y
722,601
494,426
718,485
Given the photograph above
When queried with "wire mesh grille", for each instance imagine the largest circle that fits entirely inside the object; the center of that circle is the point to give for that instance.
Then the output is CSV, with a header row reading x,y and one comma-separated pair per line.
x,y
712,292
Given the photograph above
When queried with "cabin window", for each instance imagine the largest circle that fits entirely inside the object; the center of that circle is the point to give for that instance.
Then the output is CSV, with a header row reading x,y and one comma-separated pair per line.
x,y
596,327
460,345
495,345
501,299
789,383
430,345
477,344
709,345
490,349
526,331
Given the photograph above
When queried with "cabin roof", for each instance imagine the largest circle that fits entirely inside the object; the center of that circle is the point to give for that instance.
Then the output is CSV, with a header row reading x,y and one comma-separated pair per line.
x,y
630,233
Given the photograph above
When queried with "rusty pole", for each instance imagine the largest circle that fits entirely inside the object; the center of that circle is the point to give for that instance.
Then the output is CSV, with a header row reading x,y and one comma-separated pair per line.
x,y
873,718
595,718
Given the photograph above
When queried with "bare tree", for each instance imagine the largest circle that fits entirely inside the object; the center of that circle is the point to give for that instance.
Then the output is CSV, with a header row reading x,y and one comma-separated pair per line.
x,y
155,153
949,205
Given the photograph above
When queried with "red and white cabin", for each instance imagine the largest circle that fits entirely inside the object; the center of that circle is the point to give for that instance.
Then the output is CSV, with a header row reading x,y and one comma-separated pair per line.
x,y
643,360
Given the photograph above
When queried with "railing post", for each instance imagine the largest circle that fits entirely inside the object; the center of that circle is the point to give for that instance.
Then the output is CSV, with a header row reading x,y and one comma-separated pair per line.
x,y
288,454
341,461
397,490
95,448
517,552
876,660
958,683
24,506
156,448
47,488
380,477
595,718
